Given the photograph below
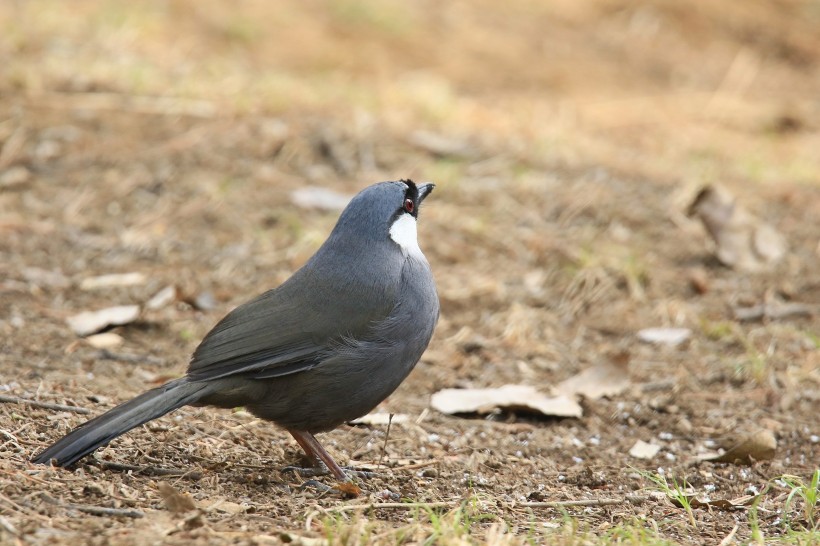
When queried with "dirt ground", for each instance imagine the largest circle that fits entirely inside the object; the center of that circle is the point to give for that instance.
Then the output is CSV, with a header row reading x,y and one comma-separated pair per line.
x,y
566,140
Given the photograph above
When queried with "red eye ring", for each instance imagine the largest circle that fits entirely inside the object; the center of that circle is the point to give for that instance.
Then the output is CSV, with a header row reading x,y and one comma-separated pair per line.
x,y
409,205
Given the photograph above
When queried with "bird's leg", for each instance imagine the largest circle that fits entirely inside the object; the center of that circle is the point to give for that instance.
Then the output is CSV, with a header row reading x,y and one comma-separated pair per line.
x,y
306,446
313,449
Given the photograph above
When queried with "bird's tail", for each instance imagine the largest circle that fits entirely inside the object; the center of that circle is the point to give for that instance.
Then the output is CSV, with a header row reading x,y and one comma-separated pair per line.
x,y
99,431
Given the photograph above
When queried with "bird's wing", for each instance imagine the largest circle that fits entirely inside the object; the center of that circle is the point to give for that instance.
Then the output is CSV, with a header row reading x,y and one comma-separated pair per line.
x,y
250,338
272,336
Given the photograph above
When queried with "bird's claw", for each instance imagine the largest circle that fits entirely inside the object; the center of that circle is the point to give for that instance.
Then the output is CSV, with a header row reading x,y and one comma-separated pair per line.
x,y
347,489
315,484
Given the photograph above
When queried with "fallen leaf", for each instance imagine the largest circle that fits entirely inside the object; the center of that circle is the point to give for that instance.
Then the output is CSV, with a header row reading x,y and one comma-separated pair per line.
x,y
440,145
665,336
644,450
742,241
508,397
175,502
113,280
162,298
90,322
760,446
381,418
722,504
14,177
315,197
106,340
607,378
228,507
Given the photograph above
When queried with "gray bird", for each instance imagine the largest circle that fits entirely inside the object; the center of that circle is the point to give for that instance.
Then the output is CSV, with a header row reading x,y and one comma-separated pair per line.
x,y
324,348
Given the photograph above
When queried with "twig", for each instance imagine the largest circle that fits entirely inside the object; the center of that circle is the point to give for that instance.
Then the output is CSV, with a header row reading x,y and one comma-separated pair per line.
x,y
392,505
634,499
94,510
46,405
728,540
6,524
386,437
151,470
377,466
774,310
103,511
105,354
416,466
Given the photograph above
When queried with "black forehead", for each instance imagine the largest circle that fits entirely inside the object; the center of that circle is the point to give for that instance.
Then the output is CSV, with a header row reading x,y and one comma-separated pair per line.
x,y
412,190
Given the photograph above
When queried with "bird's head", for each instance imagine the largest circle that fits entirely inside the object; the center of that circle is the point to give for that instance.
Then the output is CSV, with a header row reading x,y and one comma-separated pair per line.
x,y
386,211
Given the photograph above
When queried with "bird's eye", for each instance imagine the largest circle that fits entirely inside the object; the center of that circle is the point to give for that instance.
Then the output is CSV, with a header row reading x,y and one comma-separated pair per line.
x,y
409,205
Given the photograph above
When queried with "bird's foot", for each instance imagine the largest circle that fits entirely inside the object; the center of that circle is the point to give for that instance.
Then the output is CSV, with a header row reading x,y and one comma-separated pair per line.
x,y
347,489
346,486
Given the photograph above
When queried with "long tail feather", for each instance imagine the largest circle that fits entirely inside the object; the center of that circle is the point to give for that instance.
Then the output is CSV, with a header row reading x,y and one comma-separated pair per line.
x,y
99,431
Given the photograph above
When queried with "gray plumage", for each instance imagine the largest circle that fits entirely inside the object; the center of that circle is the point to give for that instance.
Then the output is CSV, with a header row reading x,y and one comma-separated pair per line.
x,y
325,347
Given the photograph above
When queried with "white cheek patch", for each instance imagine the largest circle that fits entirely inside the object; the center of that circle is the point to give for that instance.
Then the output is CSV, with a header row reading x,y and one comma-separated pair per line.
x,y
403,232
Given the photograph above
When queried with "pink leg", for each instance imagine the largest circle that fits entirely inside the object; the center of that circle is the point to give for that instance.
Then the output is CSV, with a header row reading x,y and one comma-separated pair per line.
x,y
313,449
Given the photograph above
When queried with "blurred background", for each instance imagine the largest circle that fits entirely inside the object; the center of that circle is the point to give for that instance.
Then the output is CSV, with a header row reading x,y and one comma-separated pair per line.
x,y
208,146
703,90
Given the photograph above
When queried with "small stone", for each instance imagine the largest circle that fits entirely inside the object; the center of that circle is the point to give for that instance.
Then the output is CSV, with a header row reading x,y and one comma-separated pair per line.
x,y
644,450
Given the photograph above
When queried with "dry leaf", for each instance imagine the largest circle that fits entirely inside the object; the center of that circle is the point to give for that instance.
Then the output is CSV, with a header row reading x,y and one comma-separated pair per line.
x,y
14,177
229,507
115,279
381,418
664,336
440,145
607,378
760,446
106,340
90,322
509,397
314,197
175,502
162,298
643,450
741,240
722,504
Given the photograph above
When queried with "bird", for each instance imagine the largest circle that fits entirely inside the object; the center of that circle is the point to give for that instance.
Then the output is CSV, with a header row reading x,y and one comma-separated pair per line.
x,y
323,348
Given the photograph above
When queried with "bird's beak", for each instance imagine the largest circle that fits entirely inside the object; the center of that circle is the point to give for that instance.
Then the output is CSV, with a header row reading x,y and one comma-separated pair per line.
x,y
425,190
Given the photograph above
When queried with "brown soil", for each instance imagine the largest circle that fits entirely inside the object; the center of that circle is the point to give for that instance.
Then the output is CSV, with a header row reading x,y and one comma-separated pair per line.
x,y
575,136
